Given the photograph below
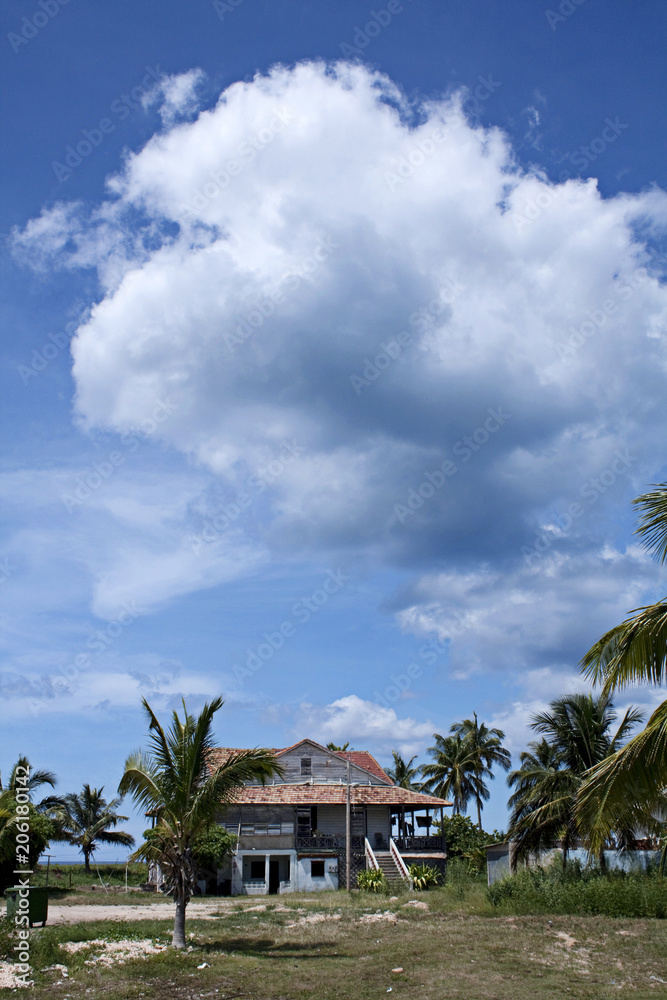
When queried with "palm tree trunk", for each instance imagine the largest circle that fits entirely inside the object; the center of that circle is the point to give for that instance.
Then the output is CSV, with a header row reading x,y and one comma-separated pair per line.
x,y
178,937
603,863
87,870
479,812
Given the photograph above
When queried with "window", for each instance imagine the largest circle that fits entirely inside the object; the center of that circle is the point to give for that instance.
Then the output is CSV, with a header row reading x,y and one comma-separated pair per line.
x,y
317,869
257,869
306,766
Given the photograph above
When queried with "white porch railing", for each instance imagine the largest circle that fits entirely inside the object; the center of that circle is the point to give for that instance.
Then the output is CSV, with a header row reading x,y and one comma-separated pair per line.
x,y
371,860
400,863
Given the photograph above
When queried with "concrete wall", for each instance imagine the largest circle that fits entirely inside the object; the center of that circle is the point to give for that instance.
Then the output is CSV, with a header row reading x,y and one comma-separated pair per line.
x,y
307,883
498,863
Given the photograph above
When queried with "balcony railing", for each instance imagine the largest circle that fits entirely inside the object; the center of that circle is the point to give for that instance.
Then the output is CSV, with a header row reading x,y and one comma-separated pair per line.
x,y
420,843
331,842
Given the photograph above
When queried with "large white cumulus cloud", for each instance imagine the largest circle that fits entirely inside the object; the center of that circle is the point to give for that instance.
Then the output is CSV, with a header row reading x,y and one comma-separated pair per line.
x,y
255,261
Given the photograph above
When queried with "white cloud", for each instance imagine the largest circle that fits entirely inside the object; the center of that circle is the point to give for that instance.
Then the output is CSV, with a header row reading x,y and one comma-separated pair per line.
x,y
176,96
363,724
255,259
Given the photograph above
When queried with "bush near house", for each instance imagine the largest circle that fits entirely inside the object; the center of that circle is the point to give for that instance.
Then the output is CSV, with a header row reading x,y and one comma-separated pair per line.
x,y
372,880
424,876
578,890
465,840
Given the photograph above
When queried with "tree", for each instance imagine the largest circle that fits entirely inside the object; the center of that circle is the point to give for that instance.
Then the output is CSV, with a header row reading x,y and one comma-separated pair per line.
x,y
403,773
630,785
332,746
175,781
41,826
452,774
485,746
575,736
87,819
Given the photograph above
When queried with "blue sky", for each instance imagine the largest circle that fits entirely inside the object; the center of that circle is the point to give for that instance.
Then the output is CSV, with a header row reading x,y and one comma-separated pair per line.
x,y
333,354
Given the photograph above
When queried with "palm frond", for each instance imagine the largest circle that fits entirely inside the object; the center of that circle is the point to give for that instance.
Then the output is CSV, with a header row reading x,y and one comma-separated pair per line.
x,y
634,651
652,526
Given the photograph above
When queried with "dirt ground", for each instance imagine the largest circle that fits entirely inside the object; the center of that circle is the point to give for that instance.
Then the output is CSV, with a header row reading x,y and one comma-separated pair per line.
x,y
84,912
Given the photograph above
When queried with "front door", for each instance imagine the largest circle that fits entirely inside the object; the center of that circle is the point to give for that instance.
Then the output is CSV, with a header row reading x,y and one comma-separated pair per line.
x,y
274,875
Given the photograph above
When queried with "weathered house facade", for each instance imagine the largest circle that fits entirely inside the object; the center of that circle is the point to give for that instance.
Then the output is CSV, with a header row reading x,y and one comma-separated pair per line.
x,y
292,833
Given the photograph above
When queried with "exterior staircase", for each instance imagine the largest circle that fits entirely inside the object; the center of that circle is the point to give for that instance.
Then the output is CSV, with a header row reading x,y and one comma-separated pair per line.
x,y
390,869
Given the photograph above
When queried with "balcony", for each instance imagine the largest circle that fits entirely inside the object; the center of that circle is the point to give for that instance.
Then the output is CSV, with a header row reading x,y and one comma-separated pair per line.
x,y
327,842
420,843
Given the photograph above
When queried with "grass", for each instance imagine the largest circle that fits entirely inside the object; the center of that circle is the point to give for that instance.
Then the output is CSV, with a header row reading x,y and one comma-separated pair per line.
x,y
75,877
330,946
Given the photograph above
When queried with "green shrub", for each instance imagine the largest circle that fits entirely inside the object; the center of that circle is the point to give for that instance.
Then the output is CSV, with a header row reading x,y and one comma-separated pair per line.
x,y
372,880
424,876
579,890
7,938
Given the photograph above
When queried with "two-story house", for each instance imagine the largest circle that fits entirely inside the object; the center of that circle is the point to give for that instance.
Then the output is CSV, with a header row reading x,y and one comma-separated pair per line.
x,y
292,832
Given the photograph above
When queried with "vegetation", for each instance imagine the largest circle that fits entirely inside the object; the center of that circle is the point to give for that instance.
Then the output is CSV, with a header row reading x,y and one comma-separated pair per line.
x,y
41,825
576,735
574,889
424,877
621,788
372,880
486,750
462,763
351,950
175,781
87,819
345,746
403,773
466,842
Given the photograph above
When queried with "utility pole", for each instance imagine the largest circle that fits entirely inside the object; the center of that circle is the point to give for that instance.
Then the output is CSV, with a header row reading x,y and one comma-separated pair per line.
x,y
348,845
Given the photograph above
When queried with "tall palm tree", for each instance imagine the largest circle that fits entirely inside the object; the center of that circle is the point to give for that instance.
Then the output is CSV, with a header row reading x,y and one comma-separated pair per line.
x,y
403,773
175,782
87,819
486,748
632,782
452,774
575,736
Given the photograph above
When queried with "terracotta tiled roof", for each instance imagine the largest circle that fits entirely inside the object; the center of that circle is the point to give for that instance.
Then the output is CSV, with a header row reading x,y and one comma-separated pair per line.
x,y
330,794
362,758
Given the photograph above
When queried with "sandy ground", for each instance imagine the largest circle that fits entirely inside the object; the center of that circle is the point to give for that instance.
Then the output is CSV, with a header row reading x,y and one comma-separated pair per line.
x,y
86,912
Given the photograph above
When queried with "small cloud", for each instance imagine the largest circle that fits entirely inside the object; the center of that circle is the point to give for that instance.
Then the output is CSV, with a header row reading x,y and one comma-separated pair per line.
x,y
176,96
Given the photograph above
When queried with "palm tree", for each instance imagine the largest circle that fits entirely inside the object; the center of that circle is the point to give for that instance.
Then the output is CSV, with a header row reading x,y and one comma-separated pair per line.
x,y
403,773
175,782
575,736
87,820
452,774
40,815
632,782
486,748
332,746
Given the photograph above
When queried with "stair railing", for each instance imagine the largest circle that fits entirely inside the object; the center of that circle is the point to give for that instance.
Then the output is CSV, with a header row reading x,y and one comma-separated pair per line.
x,y
371,860
400,863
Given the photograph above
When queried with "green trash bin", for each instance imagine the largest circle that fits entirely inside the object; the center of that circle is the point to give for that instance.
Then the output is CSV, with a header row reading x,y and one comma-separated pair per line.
x,y
38,903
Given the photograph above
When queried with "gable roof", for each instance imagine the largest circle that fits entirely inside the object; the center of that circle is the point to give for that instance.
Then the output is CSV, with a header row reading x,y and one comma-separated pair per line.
x,y
358,758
